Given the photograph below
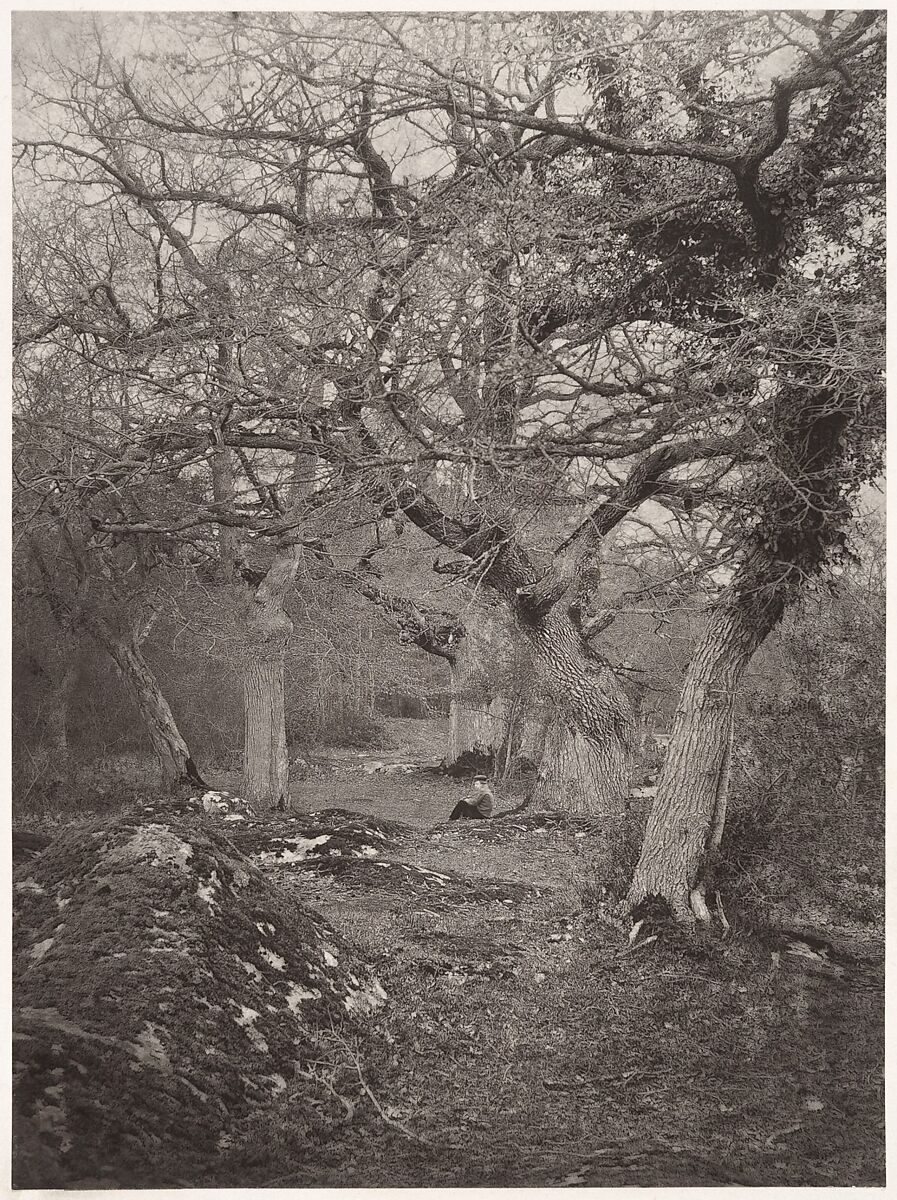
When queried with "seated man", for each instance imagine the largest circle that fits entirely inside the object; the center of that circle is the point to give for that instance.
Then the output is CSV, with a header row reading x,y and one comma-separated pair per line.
x,y
479,807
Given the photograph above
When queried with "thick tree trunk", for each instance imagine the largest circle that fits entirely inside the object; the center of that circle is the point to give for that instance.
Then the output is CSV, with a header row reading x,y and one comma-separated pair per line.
x,y
268,628
266,767
686,822
533,735
478,725
801,506
587,761
170,749
571,771
263,631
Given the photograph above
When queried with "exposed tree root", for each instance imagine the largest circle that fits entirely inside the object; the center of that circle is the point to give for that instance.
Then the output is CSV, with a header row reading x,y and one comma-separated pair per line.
x,y
831,956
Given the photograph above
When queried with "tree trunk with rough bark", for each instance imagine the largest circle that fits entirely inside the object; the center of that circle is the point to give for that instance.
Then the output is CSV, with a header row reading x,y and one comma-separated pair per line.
x,y
571,772
267,628
587,761
533,734
687,819
266,767
801,508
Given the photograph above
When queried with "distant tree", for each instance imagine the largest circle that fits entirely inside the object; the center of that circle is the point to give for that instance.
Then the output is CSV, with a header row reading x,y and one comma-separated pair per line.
x,y
110,589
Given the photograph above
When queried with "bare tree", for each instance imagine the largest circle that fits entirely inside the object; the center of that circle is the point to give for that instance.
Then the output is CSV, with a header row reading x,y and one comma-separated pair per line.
x,y
489,279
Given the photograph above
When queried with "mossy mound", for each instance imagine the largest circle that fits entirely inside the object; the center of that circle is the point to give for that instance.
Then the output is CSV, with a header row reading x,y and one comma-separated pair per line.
x,y
511,827
26,843
342,818
319,836
164,989
216,803
352,852
362,876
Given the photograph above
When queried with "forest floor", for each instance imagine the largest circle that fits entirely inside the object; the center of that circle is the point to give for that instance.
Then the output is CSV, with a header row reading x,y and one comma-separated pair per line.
x,y
527,1042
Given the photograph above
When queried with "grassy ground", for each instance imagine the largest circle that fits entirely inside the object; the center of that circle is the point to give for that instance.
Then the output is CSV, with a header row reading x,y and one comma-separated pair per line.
x,y
528,1043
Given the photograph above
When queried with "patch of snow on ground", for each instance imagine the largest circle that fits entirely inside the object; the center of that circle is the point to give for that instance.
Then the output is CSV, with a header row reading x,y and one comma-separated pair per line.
x,y
299,853
30,885
246,1020
297,994
272,959
206,891
330,959
264,927
37,951
362,1001
369,852
166,847
250,969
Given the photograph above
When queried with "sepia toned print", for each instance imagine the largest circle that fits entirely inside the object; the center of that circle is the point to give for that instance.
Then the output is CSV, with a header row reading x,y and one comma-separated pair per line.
x,y
448,573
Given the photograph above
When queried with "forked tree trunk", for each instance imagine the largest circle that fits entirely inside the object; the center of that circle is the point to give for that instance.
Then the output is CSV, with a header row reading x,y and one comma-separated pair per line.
x,y
268,628
587,760
171,750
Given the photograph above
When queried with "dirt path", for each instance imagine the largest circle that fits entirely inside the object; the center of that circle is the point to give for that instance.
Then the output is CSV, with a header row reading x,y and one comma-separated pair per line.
x,y
528,1044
